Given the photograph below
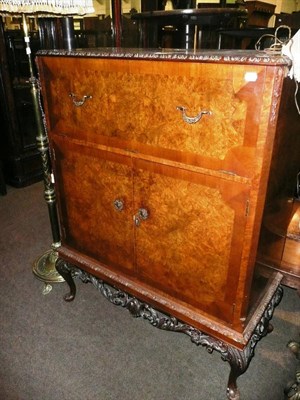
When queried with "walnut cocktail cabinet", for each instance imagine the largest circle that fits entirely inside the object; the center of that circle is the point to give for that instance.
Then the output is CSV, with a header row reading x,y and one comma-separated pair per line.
x,y
161,163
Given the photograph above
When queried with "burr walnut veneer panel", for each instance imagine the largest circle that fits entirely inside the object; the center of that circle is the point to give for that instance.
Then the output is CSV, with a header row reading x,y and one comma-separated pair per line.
x,y
145,101
175,201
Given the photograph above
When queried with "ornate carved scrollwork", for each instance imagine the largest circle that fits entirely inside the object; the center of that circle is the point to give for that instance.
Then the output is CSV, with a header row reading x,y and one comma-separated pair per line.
x,y
238,359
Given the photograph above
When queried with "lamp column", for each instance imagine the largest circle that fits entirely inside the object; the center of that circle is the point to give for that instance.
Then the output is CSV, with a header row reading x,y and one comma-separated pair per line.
x,y
44,267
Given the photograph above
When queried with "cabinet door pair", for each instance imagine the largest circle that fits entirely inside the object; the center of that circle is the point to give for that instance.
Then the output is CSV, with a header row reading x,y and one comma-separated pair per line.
x,y
179,231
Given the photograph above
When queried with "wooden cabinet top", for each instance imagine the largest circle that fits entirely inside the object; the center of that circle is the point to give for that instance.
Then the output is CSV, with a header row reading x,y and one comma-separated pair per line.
x,y
208,56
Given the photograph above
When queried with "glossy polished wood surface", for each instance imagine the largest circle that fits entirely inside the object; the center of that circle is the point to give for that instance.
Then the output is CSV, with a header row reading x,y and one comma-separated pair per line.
x,y
90,222
145,101
191,194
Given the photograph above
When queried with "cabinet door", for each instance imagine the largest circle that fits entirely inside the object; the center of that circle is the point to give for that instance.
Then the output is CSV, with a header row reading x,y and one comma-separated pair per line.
x,y
191,243
179,231
95,199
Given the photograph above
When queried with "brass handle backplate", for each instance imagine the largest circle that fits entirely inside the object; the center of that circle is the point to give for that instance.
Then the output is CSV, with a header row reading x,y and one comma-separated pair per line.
x,y
191,120
140,216
79,103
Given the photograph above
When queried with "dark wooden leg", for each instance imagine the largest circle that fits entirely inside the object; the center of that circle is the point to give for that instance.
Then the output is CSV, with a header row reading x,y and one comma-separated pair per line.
x,y
292,390
65,271
233,392
239,360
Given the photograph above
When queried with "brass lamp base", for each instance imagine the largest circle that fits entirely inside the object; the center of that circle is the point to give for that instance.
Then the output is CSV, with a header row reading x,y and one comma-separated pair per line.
x,y
44,269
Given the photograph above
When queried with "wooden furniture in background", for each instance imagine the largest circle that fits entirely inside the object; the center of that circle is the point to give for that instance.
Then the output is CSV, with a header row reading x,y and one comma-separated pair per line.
x,y
259,13
256,25
279,248
18,152
186,27
162,163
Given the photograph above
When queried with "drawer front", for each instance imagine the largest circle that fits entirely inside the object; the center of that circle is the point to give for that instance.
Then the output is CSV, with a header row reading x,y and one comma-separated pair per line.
x,y
156,108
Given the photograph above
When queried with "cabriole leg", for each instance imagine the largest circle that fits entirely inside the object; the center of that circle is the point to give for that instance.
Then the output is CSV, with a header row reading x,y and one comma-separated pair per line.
x,y
239,360
233,392
65,271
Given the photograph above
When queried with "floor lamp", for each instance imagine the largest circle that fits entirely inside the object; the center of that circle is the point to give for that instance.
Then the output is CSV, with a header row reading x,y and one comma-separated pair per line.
x,y
44,267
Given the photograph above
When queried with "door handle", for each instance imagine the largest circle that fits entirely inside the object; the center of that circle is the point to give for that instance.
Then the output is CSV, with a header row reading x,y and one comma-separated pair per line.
x,y
140,216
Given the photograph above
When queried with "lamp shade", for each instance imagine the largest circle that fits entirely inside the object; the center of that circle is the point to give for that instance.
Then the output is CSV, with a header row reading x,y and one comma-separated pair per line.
x,y
46,7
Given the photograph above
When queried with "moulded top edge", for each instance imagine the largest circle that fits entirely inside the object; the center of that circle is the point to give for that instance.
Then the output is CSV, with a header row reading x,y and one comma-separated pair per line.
x,y
261,57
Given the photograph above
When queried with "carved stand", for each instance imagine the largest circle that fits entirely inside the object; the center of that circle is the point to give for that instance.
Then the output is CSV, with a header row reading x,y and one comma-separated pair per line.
x,y
239,360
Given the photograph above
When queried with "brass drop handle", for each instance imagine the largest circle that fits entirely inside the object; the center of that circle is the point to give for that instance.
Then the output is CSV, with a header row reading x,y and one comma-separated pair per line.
x,y
191,120
118,204
79,103
140,216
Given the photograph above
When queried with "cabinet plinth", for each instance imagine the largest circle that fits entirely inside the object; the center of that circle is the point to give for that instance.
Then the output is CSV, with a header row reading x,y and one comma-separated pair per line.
x,y
162,165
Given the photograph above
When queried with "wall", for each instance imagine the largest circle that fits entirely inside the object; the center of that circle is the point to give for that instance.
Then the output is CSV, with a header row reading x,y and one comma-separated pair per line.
x,y
289,6
102,7
127,5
